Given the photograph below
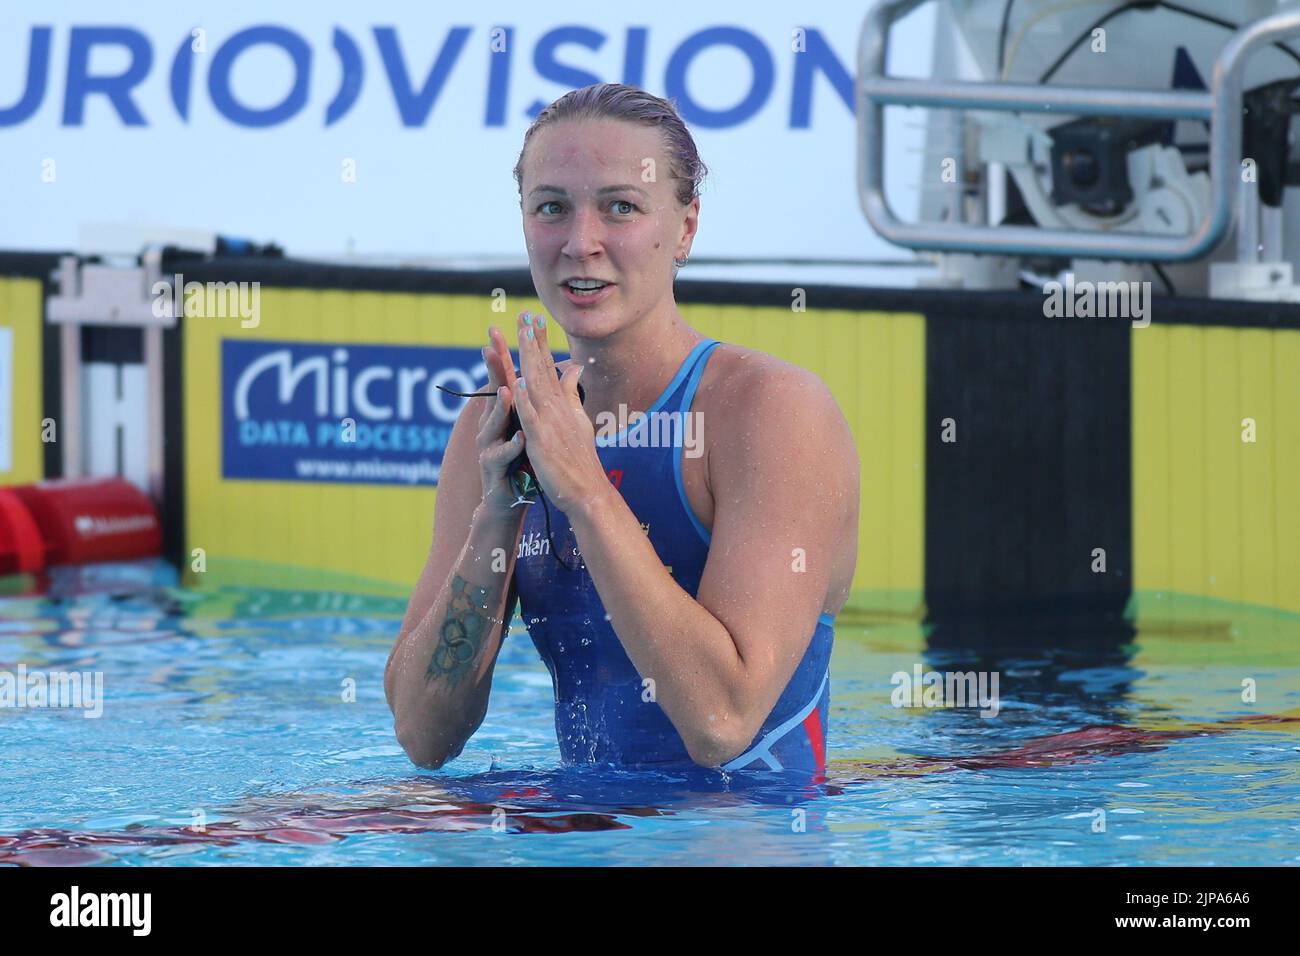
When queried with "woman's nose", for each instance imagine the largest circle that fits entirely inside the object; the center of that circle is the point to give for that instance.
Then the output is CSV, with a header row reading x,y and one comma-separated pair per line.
x,y
584,234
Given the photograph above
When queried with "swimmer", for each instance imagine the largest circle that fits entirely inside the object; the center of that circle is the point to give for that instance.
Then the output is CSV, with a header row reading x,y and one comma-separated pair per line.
x,y
680,583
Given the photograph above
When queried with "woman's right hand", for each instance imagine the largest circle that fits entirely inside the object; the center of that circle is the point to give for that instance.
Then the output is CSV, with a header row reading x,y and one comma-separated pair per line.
x,y
495,453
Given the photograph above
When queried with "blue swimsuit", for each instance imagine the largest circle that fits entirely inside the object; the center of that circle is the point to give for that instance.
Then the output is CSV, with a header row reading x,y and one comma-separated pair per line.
x,y
602,714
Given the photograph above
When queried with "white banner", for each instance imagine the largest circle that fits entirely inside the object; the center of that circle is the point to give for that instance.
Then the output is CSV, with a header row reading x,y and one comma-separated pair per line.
x,y
336,127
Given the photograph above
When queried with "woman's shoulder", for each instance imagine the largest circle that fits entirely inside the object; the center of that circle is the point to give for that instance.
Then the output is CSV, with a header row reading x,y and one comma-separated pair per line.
x,y
734,371
758,398
770,416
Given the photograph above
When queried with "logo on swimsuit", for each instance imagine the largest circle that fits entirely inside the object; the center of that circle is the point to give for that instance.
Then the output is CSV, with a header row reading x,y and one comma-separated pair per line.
x,y
674,429
533,544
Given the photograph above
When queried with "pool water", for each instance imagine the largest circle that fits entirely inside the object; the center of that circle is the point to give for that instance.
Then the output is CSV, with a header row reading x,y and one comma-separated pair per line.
x,y
247,725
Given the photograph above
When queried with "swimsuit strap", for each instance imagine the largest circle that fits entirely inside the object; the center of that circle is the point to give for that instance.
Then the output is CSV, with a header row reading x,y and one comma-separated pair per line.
x,y
693,368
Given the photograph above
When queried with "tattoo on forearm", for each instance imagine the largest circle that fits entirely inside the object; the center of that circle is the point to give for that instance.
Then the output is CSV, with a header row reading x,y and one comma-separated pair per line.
x,y
462,633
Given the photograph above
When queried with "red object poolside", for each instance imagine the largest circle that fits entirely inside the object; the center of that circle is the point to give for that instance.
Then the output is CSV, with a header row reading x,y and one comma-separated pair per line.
x,y
75,521
22,549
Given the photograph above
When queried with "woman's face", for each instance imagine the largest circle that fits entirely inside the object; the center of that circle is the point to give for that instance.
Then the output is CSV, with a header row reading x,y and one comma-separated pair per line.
x,y
599,203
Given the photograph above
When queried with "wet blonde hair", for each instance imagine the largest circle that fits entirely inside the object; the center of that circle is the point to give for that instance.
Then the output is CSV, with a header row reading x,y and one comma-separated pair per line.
x,y
631,104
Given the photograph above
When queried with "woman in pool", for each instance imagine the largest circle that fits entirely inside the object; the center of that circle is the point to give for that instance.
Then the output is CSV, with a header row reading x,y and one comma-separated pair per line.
x,y
682,597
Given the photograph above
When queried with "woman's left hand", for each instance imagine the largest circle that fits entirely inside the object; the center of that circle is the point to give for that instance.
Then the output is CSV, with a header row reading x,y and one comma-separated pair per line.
x,y
559,438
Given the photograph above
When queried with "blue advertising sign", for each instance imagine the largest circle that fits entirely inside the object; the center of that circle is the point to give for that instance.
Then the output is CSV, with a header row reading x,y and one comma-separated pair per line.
x,y
340,412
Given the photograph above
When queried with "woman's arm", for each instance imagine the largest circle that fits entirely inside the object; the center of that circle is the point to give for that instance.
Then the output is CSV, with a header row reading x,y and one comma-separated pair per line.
x,y
784,474
440,670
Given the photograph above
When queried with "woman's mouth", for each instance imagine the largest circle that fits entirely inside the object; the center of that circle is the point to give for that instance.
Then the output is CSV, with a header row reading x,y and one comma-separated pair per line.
x,y
587,292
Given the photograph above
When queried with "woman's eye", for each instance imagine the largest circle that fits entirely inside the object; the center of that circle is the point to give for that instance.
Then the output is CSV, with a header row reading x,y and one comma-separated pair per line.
x,y
622,207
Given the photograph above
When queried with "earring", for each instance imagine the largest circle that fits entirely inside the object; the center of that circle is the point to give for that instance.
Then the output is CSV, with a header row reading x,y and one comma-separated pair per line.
x,y
682,261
